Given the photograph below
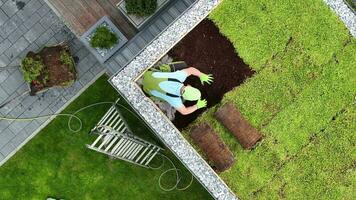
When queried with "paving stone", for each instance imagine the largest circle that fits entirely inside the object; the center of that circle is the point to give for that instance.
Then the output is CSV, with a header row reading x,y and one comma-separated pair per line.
x,y
86,78
3,125
34,33
9,7
11,103
3,17
14,36
5,135
4,61
14,81
72,90
96,68
41,41
30,128
7,149
19,138
3,74
3,95
43,10
2,157
17,126
31,7
7,28
17,48
5,45
32,20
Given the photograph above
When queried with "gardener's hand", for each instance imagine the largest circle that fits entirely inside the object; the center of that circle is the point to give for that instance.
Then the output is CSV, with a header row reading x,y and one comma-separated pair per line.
x,y
206,78
201,103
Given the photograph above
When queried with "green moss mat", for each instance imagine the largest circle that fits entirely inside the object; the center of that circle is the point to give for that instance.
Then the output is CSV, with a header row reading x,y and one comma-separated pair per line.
x,y
305,80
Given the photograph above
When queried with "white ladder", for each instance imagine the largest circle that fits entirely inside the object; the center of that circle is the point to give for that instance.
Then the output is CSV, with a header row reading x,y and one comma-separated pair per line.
x,y
114,139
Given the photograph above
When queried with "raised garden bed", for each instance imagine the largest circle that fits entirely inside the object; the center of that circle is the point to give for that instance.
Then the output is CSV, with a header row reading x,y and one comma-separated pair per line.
x,y
52,66
209,51
139,20
102,54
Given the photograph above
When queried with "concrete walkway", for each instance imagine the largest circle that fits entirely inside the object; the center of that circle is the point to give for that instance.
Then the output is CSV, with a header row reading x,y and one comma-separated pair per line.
x,y
29,25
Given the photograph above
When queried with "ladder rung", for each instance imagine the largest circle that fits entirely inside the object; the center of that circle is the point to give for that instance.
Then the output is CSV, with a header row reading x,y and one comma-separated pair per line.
x,y
96,141
135,152
111,143
107,139
123,148
124,152
153,155
142,153
147,155
108,121
117,145
130,150
106,115
114,120
117,123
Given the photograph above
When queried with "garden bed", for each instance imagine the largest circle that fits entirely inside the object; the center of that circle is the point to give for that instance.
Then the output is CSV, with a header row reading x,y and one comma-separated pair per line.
x,y
212,53
58,68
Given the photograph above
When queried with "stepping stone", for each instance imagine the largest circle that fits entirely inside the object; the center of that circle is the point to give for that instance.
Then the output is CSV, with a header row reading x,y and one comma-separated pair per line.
x,y
232,119
212,145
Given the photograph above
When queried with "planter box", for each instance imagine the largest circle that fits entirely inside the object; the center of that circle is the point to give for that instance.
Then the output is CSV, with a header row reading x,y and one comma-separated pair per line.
x,y
138,21
103,54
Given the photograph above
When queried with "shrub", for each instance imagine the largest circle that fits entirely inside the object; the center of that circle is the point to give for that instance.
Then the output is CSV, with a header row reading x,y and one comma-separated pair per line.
x,y
103,38
141,7
31,68
67,59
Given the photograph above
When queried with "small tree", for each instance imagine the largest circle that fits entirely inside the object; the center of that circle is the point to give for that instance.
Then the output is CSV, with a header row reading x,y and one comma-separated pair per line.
x,y
141,7
103,38
31,68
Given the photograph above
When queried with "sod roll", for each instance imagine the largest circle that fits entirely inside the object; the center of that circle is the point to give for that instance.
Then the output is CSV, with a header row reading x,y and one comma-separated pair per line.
x,y
214,148
232,119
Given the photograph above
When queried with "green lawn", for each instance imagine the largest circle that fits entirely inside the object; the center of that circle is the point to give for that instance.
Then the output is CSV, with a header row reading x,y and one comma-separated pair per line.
x,y
302,99
57,163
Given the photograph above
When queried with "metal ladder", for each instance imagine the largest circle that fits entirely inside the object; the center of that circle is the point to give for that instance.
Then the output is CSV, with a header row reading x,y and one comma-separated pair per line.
x,y
115,140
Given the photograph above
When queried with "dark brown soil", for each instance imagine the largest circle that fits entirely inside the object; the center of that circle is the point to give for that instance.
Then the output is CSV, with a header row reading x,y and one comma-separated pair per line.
x,y
232,119
214,148
58,73
212,53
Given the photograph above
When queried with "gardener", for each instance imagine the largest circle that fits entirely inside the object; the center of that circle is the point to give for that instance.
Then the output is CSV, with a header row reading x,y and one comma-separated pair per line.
x,y
168,86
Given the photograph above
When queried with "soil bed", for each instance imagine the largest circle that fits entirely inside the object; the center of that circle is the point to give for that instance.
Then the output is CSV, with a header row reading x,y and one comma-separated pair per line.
x,y
212,53
57,73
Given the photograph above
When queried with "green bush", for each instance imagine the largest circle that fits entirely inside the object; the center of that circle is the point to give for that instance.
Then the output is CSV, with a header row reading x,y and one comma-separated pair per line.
x,y
141,7
31,68
67,59
103,38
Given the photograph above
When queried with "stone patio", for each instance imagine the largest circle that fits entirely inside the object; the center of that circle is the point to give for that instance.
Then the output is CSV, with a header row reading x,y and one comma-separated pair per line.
x,y
29,26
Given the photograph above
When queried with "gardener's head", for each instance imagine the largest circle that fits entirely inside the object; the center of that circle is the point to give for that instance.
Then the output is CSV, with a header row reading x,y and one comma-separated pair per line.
x,y
190,93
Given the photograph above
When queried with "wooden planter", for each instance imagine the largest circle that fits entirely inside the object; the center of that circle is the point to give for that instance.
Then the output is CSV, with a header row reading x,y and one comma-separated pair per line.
x,y
214,148
232,119
59,74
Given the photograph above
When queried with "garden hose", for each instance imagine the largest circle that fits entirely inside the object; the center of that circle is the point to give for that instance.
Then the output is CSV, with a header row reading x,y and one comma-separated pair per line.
x,y
75,130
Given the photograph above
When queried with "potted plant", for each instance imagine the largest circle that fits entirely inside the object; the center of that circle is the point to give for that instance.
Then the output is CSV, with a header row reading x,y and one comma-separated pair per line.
x,y
52,66
141,7
139,12
103,38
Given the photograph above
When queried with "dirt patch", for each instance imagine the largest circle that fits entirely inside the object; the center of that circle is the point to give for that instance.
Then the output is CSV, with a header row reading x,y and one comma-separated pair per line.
x,y
214,148
232,119
55,73
209,51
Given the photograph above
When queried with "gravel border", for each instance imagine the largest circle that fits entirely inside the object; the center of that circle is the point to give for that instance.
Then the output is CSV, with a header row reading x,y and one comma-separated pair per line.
x,y
345,14
125,83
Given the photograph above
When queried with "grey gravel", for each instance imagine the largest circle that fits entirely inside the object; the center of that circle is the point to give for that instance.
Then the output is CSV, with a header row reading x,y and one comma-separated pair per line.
x,y
345,14
124,81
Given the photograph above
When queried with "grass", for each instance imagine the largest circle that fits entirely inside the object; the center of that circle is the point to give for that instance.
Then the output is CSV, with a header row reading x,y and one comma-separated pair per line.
x,y
302,95
57,163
